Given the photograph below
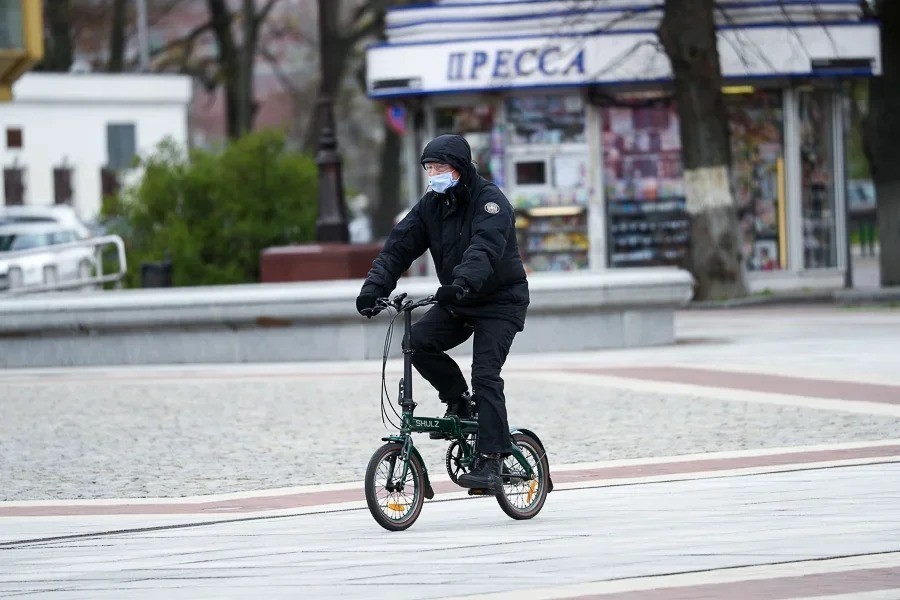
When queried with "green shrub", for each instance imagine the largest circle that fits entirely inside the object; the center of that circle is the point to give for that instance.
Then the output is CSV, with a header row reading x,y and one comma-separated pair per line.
x,y
213,212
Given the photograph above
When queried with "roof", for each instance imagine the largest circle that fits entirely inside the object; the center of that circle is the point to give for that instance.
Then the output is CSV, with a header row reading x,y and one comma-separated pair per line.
x,y
465,19
119,88
465,46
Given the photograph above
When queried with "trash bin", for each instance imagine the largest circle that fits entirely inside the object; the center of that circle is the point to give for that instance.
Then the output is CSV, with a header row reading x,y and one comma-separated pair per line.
x,y
156,274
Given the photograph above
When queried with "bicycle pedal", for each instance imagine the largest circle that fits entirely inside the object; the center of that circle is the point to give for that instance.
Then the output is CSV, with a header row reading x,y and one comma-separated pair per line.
x,y
481,492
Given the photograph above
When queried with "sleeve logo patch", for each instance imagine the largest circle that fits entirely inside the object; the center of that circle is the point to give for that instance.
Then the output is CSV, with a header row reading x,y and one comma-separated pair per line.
x,y
492,208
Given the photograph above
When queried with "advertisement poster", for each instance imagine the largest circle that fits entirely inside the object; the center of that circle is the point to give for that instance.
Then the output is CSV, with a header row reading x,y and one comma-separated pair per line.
x,y
755,121
643,185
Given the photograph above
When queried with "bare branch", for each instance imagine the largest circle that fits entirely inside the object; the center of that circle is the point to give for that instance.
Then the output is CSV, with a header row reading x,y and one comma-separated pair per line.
x,y
867,9
186,40
163,12
282,77
622,57
369,29
374,6
263,14
739,46
792,27
624,17
818,14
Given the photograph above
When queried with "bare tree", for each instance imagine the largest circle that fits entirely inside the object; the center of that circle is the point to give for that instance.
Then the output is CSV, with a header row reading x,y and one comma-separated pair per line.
x,y
881,134
688,34
58,46
236,59
117,35
340,39
344,28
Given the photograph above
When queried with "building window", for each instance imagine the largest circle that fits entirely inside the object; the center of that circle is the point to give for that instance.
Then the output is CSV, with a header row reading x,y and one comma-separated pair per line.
x,y
11,25
14,137
817,169
121,145
14,186
62,185
545,119
757,175
109,183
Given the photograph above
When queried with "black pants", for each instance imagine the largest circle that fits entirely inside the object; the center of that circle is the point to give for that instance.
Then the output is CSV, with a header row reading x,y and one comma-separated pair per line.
x,y
438,331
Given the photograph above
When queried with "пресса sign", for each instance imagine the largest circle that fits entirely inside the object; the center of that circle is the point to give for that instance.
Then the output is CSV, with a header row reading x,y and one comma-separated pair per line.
x,y
505,63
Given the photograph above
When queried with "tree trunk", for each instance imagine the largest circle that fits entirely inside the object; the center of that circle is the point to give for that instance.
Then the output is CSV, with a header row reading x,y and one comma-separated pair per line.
x,y
882,135
333,52
389,184
116,62
688,35
58,53
247,106
229,66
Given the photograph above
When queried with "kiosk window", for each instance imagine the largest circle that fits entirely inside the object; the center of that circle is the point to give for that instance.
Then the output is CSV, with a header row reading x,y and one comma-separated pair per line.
x,y
545,119
531,173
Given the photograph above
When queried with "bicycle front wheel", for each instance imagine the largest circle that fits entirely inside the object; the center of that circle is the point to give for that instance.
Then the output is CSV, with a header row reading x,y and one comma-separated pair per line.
x,y
394,500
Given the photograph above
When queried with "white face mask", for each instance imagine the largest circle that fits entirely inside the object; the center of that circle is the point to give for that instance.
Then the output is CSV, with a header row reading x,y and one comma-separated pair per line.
x,y
441,183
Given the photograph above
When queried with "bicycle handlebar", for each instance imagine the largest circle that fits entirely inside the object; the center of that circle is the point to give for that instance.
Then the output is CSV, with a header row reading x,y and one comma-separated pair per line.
x,y
400,304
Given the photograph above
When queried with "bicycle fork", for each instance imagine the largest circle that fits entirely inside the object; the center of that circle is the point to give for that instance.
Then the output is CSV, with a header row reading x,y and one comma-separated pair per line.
x,y
407,451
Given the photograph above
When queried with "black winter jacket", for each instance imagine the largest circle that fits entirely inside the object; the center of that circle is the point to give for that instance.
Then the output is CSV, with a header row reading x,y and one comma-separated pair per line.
x,y
470,232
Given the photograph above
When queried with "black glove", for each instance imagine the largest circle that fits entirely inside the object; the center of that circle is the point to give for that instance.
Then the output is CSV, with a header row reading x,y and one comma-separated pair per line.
x,y
449,294
365,304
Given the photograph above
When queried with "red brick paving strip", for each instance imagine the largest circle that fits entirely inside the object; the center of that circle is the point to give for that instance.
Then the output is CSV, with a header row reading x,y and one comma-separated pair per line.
x,y
778,588
757,382
321,498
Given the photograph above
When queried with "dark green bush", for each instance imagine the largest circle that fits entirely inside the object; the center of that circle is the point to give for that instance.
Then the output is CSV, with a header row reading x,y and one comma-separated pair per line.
x,y
213,212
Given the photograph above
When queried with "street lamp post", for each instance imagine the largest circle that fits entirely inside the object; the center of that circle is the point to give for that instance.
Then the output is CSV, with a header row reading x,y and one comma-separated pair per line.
x,y
331,226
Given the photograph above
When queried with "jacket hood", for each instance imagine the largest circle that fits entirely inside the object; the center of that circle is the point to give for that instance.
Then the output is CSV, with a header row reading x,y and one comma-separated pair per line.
x,y
453,150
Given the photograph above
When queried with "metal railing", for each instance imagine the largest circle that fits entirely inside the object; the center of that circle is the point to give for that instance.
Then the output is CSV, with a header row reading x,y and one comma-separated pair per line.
x,y
102,247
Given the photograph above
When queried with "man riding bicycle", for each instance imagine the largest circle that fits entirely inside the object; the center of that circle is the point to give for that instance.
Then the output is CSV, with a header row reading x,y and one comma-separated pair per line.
x,y
468,226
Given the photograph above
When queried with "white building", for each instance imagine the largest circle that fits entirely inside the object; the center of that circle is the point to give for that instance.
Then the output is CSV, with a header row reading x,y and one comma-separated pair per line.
x,y
569,109
68,138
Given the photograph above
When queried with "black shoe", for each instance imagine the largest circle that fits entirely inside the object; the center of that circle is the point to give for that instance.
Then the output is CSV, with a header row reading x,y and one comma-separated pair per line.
x,y
485,475
462,407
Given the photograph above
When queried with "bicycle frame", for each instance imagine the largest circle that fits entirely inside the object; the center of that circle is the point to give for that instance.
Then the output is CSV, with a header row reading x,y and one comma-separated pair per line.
x,y
451,427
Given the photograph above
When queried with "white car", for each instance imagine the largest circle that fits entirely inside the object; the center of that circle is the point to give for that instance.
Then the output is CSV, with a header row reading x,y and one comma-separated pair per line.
x,y
41,263
63,215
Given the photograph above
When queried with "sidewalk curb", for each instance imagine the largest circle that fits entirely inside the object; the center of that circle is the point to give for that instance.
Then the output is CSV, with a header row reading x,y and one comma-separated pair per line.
x,y
858,297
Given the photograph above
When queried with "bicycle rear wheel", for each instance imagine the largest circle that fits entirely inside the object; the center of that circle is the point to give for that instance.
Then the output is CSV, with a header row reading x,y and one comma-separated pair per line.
x,y
524,498
394,503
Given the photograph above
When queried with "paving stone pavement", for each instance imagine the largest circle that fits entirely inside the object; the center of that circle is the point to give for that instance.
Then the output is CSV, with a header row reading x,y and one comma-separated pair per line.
x,y
93,440
831,529
91,434
598,536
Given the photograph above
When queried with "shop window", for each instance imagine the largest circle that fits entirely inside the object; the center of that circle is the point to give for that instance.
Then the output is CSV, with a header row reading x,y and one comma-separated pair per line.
x,y
14,186
817,169
550,119
648,224
476,124
549,159
757,174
